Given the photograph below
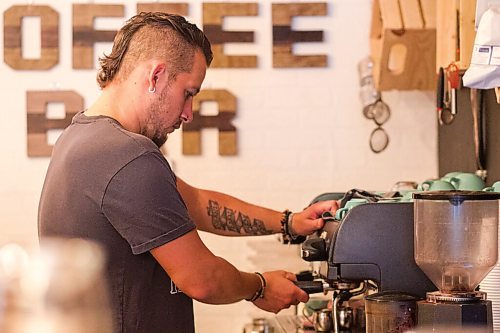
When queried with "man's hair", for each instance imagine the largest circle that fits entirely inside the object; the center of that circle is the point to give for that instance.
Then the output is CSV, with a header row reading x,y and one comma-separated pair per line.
x,y
153,35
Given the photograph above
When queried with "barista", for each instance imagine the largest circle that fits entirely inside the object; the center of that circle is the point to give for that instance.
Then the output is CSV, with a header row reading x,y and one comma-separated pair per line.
x,y
108,181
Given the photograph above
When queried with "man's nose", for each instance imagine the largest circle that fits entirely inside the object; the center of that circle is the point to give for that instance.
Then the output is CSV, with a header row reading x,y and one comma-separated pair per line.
x,y
187,113
187,117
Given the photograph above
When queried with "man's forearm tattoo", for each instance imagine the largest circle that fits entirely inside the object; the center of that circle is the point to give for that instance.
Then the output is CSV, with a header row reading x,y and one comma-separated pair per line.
x,y
241,224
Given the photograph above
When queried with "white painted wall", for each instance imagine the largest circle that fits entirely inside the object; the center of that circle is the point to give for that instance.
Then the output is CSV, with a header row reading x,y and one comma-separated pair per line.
x,y
300,133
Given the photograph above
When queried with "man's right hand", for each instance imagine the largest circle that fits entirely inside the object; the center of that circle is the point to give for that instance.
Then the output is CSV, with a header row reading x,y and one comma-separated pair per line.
x,y
280,292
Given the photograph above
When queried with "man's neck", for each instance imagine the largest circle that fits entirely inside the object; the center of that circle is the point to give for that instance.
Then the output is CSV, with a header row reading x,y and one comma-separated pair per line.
x,y
111,104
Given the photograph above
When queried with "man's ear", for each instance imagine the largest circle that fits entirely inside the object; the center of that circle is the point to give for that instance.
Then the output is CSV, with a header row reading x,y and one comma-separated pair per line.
x,y
157,70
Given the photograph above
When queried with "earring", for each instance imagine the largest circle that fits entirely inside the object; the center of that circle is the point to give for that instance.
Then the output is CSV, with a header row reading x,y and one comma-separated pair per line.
x,y
152,90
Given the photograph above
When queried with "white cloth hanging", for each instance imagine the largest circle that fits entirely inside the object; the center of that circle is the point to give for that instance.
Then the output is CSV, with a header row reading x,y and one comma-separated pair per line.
x,y
484,70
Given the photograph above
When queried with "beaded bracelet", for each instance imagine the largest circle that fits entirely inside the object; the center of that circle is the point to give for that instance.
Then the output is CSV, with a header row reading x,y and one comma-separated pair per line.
x,y
289,237
260,292
285,233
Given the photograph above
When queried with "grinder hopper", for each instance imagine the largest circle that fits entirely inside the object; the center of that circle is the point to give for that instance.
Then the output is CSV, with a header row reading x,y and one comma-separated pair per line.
x,y
456,237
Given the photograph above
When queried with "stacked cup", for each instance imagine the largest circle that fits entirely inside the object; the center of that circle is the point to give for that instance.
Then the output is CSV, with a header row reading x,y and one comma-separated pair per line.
x,y
494,188
436,185
464,181
467,181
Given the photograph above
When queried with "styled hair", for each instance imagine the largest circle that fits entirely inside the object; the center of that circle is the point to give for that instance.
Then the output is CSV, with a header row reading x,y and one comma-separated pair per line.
x,y
153,35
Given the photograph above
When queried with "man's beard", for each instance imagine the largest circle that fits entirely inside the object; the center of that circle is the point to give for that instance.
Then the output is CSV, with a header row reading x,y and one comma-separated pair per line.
x,y
160,140
158,136
154,128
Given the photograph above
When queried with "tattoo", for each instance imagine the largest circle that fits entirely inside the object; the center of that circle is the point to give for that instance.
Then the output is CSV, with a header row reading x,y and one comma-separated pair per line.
x,y
233,221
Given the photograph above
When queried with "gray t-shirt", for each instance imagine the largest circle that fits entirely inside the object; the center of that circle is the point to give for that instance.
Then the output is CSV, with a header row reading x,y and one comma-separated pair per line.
x,y
115,187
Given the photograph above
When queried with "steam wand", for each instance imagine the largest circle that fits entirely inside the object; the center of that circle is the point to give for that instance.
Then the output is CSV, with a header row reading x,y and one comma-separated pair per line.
x,y
346,290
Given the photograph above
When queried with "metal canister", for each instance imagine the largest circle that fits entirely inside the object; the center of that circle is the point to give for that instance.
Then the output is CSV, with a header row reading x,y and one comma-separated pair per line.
x,y
323,320
345,318
390,311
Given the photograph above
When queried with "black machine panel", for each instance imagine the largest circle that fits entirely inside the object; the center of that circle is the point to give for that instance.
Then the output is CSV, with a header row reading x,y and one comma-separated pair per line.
x,y
374,242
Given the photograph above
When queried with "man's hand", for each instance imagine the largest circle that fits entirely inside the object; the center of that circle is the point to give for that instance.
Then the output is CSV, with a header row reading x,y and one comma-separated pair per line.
x,y
280,292
309,220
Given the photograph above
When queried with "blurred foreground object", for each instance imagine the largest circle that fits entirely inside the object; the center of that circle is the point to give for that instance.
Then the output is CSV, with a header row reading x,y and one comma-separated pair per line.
x,y
54,288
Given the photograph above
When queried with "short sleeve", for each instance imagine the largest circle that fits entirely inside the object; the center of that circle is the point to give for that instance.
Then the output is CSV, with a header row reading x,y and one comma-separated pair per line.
x,y
143,204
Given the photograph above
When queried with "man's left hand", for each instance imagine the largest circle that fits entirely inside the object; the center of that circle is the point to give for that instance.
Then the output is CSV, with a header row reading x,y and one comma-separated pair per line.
x,y
309,220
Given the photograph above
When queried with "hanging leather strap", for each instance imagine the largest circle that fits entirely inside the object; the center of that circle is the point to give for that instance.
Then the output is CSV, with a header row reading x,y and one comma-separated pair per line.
x,y
479,128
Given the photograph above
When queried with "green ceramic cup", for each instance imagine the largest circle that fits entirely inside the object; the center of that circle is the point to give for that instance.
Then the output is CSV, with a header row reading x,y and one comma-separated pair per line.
x,y
494,188
450,175
468,182
340,213
436,185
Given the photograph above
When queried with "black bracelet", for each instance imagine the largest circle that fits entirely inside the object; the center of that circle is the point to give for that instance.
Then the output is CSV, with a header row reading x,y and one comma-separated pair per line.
x,y
286,233
260,292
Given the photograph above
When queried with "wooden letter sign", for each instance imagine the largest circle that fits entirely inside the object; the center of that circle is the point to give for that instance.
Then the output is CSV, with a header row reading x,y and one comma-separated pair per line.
x,y
172,8
39,124
49,19
84,35
213,16
284,36
191,132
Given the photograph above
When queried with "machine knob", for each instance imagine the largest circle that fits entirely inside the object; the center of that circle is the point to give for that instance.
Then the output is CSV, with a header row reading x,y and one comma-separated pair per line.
x,y
314,249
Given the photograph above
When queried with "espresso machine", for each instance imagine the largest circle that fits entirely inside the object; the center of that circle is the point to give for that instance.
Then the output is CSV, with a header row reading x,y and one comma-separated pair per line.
x,y
433,252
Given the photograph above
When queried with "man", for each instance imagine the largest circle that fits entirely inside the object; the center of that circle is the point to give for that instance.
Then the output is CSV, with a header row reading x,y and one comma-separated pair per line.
x,y
108,181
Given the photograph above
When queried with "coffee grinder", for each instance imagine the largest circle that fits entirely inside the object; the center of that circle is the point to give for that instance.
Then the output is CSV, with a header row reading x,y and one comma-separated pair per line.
x,y
456,245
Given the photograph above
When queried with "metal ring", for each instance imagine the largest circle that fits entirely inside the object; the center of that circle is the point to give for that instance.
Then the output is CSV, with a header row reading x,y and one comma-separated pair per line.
x,y
379,140
381,112
368,111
